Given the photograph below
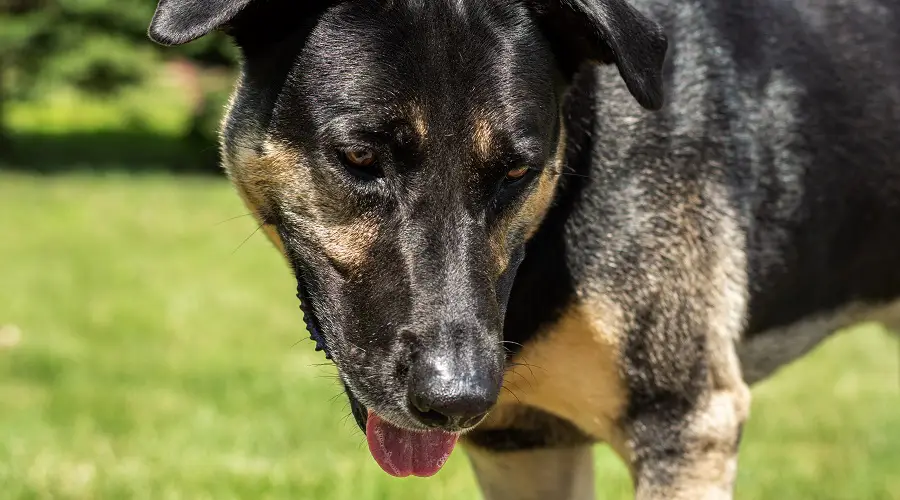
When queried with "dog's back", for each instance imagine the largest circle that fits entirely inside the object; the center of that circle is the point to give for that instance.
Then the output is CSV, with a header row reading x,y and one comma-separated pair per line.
x,y
783,116
819,82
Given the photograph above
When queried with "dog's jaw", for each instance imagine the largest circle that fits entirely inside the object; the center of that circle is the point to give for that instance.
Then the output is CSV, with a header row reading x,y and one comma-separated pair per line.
x,y
360,412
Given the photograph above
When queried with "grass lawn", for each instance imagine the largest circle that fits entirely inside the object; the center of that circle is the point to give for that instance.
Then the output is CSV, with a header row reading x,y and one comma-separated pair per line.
x,y
158,357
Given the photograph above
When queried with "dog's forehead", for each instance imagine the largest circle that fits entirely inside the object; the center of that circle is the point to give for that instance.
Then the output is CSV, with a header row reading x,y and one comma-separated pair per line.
x,y
445,62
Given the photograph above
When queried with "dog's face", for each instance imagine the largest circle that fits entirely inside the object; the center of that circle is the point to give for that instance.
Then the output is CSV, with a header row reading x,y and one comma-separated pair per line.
x,y
401,153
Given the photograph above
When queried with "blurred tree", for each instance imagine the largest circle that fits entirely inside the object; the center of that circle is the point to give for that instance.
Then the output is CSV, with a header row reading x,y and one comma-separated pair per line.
x,y
94,46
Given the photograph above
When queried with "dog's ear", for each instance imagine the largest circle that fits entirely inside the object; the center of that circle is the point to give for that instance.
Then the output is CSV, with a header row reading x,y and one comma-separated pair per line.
x,y
180,21
610,32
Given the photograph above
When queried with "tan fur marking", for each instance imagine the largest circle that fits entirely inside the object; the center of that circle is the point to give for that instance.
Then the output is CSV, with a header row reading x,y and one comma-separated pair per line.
x,y
538,204
349,244
275,177
268,229
273,236
417,118
572,371
278,179
727,315
262,180
532,212
497,244
482,137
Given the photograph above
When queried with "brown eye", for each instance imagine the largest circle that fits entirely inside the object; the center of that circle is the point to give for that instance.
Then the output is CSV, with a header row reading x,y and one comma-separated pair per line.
x,y
360,157
516,173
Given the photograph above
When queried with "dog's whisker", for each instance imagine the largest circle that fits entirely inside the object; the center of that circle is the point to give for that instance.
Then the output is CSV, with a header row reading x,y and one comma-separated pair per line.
x,y
570,174
517,387
524,362
526,365
507,350
522,375
335,397
530,381
247,239
232,218
513,394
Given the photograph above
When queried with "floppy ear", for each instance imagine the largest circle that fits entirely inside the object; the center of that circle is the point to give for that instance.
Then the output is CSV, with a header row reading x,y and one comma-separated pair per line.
x,y
181,21
607,31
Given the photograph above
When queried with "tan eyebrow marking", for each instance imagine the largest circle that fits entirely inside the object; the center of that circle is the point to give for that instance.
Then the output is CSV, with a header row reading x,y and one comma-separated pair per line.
x,y
417,119
482,137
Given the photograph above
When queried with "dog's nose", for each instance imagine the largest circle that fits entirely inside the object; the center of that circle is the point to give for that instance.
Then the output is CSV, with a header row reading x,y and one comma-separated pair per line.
x,y
451,395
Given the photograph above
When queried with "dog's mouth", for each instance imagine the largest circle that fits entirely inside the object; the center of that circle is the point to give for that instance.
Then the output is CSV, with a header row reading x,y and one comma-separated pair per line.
x,y
398,451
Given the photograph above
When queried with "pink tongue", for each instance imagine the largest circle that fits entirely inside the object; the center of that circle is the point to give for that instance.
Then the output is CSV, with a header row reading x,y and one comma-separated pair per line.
x,y
401,452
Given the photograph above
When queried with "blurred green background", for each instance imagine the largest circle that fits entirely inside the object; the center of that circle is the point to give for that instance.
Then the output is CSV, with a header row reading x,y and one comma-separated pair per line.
x,y
150,343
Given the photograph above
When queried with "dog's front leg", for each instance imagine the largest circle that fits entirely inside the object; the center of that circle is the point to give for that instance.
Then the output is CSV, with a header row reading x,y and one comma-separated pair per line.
x,y
691,455
687,405
534,474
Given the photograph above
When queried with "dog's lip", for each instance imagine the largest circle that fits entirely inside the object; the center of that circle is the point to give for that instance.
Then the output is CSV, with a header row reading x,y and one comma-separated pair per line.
x,y
361,415
359,410
312,322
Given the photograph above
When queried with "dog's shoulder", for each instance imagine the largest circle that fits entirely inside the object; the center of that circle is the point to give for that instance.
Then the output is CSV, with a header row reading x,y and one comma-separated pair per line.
x,y
767,174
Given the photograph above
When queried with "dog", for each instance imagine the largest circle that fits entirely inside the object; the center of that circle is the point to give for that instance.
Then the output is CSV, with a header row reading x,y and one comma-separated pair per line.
x,y
528,226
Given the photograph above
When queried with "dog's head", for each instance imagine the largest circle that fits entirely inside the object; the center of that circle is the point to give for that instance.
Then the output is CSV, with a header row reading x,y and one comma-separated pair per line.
x,y
401,153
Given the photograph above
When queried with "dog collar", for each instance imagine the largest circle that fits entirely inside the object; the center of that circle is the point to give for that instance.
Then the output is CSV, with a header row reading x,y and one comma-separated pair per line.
x,y
315,333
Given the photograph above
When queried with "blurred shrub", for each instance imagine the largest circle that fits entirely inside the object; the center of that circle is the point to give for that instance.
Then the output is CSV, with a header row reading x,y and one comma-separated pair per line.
x,y
99,49
96,46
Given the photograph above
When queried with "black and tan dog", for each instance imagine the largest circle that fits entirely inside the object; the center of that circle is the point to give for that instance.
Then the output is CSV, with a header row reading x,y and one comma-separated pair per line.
x,y
623,214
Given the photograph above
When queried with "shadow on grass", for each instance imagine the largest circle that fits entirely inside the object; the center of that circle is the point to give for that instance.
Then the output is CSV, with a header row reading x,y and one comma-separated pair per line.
x,y
109,151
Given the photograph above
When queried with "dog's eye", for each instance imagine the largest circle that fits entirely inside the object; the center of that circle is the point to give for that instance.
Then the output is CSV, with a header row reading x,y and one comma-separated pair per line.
x,y
517,173
360,158
361,162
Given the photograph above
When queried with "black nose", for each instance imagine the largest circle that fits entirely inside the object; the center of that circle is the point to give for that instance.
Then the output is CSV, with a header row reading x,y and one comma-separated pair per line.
x,y
446,393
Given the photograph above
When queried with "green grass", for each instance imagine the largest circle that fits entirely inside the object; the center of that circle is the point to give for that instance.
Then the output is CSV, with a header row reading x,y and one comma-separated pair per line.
x,y
159,359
